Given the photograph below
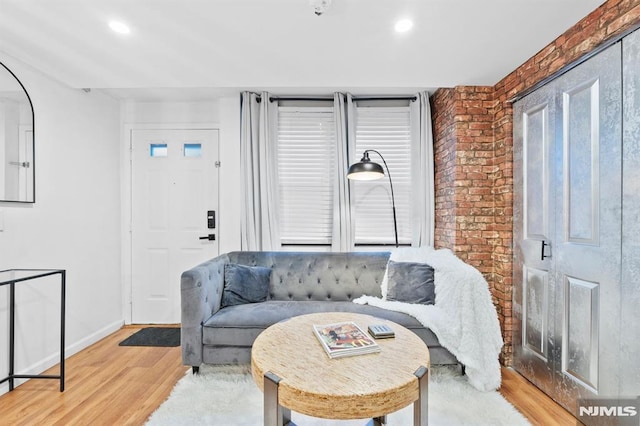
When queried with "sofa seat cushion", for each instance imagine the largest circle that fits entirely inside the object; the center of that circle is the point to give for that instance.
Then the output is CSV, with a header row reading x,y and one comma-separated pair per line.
x,y
240,325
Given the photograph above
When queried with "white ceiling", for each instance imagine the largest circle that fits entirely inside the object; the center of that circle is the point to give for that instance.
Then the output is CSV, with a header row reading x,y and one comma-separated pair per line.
x,y
202,47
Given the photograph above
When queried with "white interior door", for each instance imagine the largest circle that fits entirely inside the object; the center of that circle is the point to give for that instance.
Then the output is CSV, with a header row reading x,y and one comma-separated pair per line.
x,y
174,191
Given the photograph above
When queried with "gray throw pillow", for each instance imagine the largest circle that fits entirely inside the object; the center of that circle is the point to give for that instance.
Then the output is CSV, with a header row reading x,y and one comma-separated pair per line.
x,y
245,284
411,283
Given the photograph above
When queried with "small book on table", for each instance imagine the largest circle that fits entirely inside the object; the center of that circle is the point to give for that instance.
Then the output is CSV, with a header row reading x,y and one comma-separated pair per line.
x,y
381,331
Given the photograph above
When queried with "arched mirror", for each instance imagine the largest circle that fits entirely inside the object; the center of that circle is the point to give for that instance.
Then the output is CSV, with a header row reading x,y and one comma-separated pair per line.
x,y
17,169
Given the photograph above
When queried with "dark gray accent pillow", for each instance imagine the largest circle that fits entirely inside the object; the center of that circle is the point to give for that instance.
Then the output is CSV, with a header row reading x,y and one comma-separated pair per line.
x,y
411,283
245,284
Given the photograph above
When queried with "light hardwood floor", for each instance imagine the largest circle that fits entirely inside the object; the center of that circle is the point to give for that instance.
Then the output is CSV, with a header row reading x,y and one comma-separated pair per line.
x,y
107,384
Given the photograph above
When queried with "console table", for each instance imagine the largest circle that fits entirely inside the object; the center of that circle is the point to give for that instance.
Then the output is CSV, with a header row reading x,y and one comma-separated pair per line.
x,y
11,277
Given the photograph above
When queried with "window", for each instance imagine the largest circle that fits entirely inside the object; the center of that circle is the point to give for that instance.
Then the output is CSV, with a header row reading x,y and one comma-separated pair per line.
x,y
192,150
307,172
158,150
387,130
306,164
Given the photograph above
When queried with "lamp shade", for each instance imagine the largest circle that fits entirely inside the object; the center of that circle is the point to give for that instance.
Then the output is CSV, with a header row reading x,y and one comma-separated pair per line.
x,y
365,169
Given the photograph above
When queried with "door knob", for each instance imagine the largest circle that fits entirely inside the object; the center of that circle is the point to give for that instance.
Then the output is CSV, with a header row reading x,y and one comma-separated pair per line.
x,y
542,255
210,237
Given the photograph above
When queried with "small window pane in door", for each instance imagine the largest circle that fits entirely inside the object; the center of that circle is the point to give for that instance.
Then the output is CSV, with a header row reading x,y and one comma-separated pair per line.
x,y
158,150
192,150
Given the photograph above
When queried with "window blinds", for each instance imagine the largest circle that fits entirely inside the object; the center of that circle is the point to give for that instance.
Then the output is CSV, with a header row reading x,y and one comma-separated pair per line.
x,y
387,130
306,166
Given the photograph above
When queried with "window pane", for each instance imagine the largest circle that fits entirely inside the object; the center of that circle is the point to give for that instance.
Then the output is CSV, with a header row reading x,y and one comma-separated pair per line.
x,y
192,150
306,162
158,150
387,130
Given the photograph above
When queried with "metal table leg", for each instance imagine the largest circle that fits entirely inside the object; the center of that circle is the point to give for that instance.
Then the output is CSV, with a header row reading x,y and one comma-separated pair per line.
x,y
421,406
274,413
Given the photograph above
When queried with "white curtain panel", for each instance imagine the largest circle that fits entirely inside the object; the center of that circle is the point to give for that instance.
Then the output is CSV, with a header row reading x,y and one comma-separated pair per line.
x,y
342,235
258,158
423,173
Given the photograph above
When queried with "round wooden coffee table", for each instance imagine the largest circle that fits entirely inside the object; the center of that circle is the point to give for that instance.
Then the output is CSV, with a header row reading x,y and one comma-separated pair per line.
x,y
290,366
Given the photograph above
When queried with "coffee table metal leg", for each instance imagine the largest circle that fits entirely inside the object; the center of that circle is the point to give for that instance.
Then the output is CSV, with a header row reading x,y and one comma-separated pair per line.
x,y
274,413
379,421
421,406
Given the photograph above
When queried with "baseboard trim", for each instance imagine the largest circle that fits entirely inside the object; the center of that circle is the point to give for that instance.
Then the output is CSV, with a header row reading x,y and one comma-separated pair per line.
x,y
74,348
92,338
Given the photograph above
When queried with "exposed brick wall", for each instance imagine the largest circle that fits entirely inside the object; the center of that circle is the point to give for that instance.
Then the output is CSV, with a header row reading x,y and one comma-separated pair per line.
x,y
473,150
607,21
445,167
463,155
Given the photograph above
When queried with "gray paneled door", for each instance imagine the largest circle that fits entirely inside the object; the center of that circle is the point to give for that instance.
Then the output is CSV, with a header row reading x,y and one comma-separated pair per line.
x,y
567,239
534,228
629,366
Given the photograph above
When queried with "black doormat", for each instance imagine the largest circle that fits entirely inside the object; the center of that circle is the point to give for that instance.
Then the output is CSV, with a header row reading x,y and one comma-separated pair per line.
x,y
154,336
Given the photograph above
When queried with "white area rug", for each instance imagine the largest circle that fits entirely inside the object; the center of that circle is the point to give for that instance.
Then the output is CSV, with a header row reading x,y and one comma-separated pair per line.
x,y
227,395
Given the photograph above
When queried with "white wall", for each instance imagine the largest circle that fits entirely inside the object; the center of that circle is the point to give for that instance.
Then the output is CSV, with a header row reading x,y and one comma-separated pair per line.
x,y
74,224
230,195
170,112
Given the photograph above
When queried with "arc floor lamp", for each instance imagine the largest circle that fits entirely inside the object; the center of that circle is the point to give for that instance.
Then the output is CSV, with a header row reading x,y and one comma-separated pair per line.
x,y
366,169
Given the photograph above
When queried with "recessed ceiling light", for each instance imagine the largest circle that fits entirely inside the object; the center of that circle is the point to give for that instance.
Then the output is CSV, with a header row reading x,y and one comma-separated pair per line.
x,y
119,27
404,25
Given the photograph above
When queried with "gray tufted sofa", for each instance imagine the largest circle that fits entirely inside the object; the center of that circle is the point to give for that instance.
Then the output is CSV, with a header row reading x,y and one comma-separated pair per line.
x,y
301,283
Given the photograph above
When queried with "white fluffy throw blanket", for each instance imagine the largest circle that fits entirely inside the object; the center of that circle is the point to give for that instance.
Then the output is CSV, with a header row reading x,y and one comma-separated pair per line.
x,y
463,318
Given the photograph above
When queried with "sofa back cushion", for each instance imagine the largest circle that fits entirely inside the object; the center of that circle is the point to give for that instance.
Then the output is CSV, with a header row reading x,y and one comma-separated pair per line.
x,y
318,275
245,284
411,282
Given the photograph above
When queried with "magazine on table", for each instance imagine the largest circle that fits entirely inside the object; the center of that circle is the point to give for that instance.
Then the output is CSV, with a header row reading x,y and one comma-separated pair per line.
x,y
344,339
